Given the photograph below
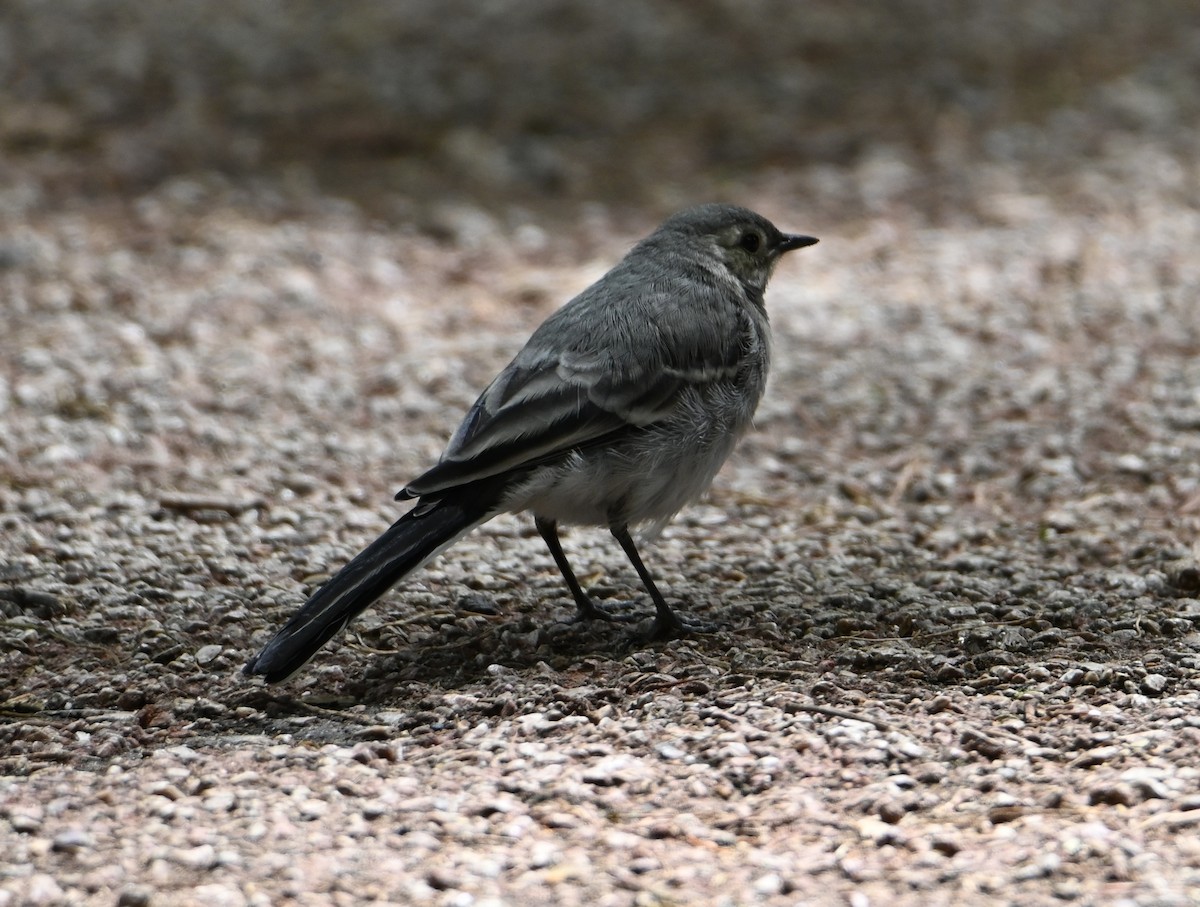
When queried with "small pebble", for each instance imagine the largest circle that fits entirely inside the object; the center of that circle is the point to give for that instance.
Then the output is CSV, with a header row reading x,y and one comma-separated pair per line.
x,y
72,839
313,809
206,655
24,824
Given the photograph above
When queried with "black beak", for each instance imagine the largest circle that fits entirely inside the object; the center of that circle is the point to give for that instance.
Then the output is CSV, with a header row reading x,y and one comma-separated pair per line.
x,y
796,241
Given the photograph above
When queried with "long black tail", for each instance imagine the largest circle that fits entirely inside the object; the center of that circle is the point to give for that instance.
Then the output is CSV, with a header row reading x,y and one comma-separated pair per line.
x,y
411,541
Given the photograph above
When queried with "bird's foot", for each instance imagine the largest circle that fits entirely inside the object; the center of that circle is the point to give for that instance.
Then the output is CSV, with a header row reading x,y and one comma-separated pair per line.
x,y
589,610
676,626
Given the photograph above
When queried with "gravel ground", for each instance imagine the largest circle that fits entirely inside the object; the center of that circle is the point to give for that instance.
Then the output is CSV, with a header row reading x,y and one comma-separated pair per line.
x,y
954,568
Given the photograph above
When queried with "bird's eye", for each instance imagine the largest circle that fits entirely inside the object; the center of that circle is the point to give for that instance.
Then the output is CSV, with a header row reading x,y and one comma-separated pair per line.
x,y
750,241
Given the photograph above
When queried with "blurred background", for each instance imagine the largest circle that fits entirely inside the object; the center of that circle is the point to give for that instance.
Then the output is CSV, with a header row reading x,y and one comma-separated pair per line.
x,y
556,102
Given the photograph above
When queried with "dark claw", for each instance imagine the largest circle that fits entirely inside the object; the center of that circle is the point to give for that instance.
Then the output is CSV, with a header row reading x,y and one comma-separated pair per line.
x,y
677,627
592,611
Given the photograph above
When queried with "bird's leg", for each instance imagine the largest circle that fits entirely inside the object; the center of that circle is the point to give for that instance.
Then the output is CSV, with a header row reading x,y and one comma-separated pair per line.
x,y
667,624
586,609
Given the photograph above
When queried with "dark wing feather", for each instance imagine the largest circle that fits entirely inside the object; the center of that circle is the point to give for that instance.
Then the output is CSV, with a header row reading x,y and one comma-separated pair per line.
x,y
550,401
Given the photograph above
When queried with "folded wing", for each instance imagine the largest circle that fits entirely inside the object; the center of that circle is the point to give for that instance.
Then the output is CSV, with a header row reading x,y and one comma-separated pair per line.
x,y
550,401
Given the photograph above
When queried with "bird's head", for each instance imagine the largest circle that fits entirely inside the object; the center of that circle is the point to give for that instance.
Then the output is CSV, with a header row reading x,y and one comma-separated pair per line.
x,y
746,243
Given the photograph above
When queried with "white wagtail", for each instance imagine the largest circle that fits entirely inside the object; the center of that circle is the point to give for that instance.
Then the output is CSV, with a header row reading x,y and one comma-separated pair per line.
x,y
618,411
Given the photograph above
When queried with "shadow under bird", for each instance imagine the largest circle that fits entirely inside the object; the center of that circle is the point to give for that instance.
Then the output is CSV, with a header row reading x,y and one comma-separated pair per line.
x,y
618,411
